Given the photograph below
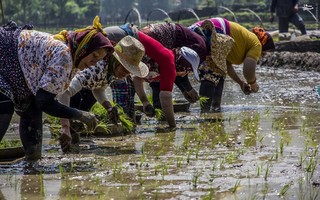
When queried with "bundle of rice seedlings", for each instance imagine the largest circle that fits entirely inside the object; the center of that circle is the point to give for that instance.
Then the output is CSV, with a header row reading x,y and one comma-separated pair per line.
x,y
125,120
159,114
203,100
102,115
10,143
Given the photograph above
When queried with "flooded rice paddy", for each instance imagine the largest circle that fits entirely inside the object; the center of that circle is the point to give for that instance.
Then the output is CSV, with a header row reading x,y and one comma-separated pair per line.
x,y
261,146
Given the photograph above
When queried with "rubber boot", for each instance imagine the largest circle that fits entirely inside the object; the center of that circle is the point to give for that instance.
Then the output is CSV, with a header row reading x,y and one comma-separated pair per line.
x,y
217,95
206,90
33,152
30,130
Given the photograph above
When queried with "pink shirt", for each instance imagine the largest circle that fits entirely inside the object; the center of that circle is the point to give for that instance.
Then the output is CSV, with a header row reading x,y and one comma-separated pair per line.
x,y
164,57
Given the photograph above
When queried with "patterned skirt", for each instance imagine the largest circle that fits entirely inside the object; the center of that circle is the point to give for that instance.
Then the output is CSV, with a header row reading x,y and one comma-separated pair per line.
x,y
12,82
209,71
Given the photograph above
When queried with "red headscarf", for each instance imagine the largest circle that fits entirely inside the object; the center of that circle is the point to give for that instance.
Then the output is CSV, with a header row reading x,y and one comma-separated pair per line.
x,y
83,42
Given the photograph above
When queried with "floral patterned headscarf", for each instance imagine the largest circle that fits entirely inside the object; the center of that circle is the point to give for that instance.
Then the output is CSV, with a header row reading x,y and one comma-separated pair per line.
x,y
84,41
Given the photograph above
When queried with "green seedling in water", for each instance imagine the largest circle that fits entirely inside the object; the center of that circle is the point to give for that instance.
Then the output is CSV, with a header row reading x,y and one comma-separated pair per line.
x,y
179,161
186,140
125,120
284,189
281,147
100,111
267,172
210,196
159,114
149,98
203,100
156,169
311,166
104,126
258,170
236,186
61,171
41,183
10,143
195,179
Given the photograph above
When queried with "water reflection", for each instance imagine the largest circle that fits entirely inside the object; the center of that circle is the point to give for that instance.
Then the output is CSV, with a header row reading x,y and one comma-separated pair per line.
x,y
265,140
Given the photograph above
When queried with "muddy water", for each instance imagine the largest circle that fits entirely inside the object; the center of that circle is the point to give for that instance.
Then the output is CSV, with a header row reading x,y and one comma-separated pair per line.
x,y
262,146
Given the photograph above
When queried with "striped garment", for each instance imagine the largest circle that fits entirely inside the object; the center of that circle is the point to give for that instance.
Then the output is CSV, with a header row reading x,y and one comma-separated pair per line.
x,y
222,25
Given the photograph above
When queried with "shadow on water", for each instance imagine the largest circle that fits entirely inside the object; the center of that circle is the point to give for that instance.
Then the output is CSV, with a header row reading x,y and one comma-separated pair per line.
x,y
261,146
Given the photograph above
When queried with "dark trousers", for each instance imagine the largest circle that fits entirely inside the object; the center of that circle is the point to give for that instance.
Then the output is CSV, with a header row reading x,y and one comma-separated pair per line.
x,y
294,19
30,126
6,112
83,100
213,93
30,129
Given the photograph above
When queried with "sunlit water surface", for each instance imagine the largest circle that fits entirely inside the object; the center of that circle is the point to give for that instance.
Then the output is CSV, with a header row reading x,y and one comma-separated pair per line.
x,y
261,146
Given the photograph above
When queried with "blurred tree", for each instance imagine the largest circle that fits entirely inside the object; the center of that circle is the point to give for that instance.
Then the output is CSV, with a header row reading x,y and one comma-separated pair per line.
x,y
43,12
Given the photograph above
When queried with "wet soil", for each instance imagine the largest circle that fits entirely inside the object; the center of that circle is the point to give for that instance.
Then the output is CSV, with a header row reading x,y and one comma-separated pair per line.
x,y
261,146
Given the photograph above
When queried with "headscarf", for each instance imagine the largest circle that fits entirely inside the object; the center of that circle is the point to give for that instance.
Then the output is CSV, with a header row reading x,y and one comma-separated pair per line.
x,y
264,38
84,41
187,60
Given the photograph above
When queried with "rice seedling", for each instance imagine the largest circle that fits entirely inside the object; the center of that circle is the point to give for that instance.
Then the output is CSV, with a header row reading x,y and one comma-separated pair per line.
x,y
125,120
281,146
259,168
179,161
189,155
306,190
105,127
210,196
265,190
203,100
260,139
236,186
267,172
156,168
267,112
195,179
315,151
222,161
142,160
10,143
311,166
230,157
214,167
117,169
61,170
229,119
159,114
42,192
127,123
284,189
186,140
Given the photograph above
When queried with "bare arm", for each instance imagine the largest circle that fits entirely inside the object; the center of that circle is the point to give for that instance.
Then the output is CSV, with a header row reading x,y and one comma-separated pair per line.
x,y
138,86
234,76
249,73
167,107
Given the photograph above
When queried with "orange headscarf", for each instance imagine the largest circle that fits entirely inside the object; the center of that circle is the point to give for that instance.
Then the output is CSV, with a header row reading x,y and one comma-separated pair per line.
x,y
264,38
261,34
